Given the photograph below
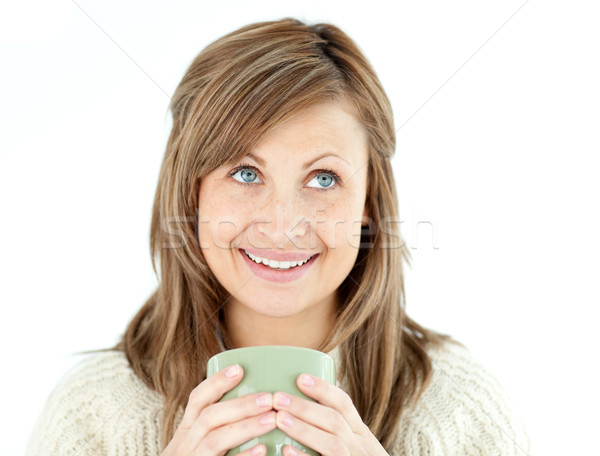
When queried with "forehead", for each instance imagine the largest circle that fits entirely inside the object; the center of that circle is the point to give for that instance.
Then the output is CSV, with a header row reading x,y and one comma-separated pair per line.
x,y
325,127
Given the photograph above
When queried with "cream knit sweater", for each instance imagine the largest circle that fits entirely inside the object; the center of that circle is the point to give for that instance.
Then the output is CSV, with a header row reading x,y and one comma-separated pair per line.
x,y
101,408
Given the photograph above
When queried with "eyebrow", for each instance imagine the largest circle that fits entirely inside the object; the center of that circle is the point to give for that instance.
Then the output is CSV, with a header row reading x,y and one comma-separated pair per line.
x,y
261,162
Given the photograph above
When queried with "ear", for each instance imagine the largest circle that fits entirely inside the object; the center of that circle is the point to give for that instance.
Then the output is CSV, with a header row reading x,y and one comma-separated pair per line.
x,y
365,217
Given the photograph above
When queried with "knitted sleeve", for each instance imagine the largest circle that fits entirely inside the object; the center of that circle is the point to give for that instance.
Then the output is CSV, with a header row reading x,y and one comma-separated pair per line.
x,y
98,409
464,411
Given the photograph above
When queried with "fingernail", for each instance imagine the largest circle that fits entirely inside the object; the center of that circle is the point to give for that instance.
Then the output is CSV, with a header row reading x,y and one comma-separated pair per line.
x,y
292,451
287,420
267,419
263,400
307,380
232,371
283,399
258,450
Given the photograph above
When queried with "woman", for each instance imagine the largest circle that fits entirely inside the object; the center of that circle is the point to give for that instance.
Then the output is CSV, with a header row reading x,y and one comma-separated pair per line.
x,y
273,224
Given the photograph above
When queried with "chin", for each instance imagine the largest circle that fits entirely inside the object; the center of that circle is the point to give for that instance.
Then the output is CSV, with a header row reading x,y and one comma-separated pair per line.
x,y
278,310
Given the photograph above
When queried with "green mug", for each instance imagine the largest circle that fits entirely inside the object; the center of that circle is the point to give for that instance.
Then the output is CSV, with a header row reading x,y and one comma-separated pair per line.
x,y
271,368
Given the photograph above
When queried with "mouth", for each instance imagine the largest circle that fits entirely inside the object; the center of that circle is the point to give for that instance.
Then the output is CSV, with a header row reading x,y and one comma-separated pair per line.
x,y
277,265
284,271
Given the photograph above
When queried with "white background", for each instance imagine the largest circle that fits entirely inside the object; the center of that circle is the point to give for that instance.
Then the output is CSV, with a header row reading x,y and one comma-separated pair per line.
x,y
497,106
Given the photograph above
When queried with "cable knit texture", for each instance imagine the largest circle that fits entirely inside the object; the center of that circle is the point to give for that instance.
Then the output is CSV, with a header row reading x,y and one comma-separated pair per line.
x,y
102,408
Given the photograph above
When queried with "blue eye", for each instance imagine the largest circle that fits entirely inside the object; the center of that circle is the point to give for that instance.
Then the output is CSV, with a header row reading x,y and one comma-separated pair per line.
x,y
325,180
325,177
247,174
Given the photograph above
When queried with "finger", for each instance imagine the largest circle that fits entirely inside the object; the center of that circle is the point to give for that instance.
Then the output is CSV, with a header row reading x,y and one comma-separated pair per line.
x,y
290,450
321,441
258,450
210,391
318,415
235,434
331,396
230,411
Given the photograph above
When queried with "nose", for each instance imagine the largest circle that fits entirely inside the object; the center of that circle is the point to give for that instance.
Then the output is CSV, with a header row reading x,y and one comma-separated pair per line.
x,y
281,222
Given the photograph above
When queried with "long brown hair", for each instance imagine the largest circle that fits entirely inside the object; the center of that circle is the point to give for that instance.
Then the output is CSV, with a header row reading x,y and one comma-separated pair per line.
x,y
235,91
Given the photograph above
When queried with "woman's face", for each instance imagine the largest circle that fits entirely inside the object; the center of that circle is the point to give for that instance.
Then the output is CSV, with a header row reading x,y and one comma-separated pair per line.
x,y
282,200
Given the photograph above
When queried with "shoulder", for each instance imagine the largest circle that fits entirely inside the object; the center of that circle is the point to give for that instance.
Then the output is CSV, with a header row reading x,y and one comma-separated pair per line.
x,y
104,379
464,410
94,405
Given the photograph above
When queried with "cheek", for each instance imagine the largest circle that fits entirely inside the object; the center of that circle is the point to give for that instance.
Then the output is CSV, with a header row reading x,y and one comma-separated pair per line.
x,y
339,226
221,219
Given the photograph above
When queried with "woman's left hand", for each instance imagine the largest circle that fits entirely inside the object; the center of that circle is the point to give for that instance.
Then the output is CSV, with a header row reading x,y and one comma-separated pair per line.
x,y
332,426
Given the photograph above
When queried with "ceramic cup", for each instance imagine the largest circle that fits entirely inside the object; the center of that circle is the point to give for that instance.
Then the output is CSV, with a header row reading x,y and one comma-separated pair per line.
x,y
271,368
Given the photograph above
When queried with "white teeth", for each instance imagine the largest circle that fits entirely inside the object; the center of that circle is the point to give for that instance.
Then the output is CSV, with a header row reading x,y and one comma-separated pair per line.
x,y
276,264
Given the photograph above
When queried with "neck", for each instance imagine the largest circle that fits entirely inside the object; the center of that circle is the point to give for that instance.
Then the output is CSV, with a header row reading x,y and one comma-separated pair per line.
x,y
247,328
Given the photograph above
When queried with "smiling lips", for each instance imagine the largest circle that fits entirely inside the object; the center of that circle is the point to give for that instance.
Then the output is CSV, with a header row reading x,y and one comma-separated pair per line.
x,y
277,271
277,259
276,264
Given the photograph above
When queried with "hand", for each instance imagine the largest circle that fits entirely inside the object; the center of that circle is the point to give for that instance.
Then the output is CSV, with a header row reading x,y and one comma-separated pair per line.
x,y
211,428
332,426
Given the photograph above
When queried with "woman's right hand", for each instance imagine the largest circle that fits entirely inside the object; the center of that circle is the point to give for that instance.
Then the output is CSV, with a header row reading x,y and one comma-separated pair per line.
x,y
211,428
